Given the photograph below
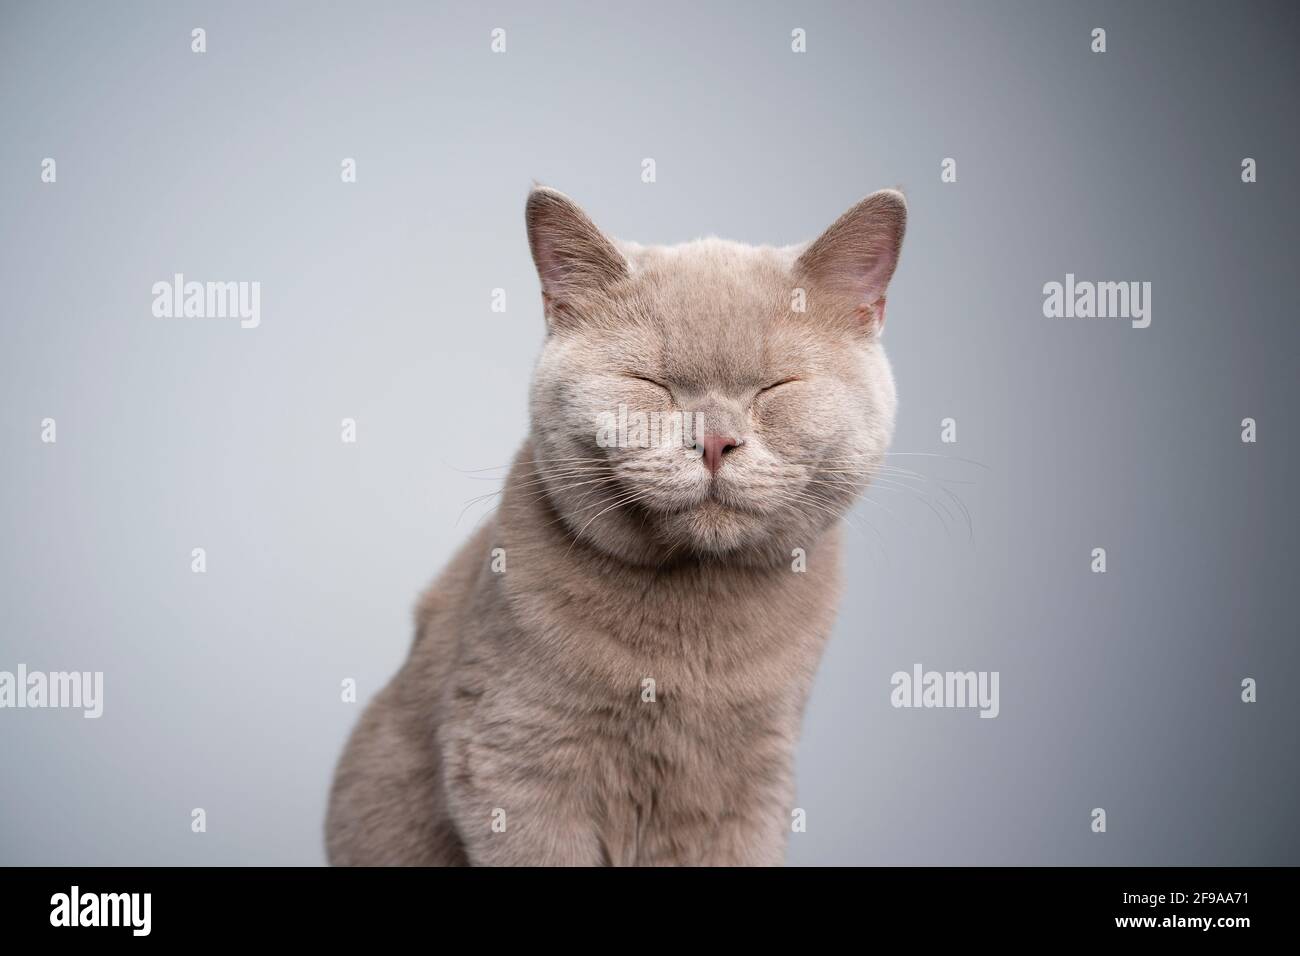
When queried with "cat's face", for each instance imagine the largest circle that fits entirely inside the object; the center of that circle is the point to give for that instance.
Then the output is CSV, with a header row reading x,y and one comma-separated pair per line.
x,y
710,399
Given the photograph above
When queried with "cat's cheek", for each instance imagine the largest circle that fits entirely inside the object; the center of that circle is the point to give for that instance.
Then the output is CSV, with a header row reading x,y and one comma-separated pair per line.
x,y
773,407
783,421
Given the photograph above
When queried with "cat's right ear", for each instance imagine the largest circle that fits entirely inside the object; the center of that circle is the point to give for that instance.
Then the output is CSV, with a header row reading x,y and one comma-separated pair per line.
x,y
854,259
573,257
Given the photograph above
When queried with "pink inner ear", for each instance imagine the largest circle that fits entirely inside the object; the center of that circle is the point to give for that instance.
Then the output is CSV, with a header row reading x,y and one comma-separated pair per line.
x,y
863,273
854,259
550,269
874,277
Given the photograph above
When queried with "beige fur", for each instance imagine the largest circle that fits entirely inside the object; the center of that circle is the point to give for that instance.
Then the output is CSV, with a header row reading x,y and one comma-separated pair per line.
x,y
523,698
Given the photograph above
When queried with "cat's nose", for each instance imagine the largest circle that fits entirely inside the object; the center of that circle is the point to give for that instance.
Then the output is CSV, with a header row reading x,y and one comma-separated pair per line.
x,y
714,447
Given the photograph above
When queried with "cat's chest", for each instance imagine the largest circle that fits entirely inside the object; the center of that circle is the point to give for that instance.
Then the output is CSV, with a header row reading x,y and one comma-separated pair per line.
x,y
672,697
681,776
703,654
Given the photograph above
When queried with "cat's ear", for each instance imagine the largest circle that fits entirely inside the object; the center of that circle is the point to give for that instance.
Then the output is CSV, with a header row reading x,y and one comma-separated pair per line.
x,y
853,261
572,256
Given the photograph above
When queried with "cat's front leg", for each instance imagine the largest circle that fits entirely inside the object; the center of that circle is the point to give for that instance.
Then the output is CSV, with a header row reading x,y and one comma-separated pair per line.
x,y
510,804
530,824
733,841
741,825
747,842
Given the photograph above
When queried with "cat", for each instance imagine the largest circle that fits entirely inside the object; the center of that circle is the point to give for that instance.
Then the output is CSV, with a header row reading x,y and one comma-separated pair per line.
x,y
613,669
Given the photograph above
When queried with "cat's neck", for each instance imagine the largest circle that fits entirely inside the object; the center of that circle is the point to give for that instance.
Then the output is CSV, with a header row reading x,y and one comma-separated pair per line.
x,y
557,585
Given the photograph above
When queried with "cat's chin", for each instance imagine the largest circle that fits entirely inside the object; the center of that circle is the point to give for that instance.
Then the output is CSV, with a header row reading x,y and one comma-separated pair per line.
x,y
713,527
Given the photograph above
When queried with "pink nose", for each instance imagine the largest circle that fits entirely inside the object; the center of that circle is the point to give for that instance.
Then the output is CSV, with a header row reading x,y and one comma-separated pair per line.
x,y
715,446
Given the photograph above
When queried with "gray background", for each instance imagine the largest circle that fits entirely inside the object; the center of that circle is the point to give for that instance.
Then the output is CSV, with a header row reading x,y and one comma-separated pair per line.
x,y
222,690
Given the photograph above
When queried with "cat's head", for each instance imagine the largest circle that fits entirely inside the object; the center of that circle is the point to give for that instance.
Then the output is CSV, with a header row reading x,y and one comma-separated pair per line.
x,y
775,354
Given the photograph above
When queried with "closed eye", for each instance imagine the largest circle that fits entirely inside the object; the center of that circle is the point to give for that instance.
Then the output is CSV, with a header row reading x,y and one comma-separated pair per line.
x,y
649,381
784,381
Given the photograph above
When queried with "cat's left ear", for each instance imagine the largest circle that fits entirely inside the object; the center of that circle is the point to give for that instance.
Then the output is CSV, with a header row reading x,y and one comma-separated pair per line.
x,y
853,261
574,259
